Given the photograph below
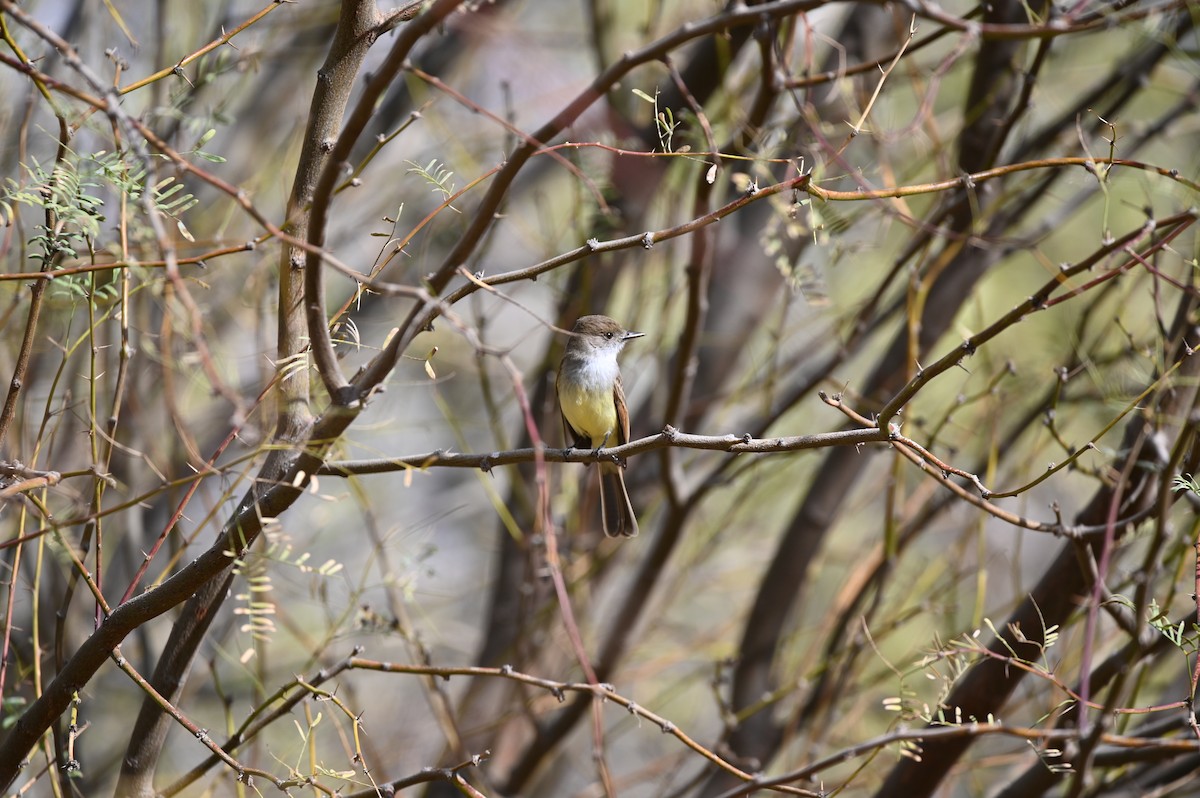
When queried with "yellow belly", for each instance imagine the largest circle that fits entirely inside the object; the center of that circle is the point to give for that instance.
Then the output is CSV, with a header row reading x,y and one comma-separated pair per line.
x,y
590,413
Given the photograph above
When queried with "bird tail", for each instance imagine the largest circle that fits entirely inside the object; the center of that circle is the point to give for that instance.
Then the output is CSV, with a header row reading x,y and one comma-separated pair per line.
x,y
616,510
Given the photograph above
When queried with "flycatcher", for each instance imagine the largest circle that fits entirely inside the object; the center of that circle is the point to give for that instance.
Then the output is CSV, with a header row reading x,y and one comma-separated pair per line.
x,y
593,409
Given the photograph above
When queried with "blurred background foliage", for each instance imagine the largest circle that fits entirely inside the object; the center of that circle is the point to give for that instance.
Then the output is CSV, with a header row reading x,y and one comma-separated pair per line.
x,y
833,615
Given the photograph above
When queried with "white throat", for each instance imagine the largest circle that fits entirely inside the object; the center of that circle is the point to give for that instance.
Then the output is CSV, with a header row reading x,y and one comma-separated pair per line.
x,y
599,370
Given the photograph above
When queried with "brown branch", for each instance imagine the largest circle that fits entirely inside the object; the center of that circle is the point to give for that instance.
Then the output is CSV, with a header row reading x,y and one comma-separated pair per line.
x,y
359,26
1040,299
973,178
220,41
971,729
1055,27
599,692
340,390
277,706
669,437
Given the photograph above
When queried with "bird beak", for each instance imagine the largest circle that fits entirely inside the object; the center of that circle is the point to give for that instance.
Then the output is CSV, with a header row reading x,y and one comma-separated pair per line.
x,y
630,335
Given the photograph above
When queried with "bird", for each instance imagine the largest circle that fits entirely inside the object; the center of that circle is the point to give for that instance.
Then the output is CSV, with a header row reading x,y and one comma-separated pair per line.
x,y
594,411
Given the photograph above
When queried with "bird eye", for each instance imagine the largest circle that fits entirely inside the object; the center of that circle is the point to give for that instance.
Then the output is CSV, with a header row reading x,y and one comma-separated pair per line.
x,y
608,335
